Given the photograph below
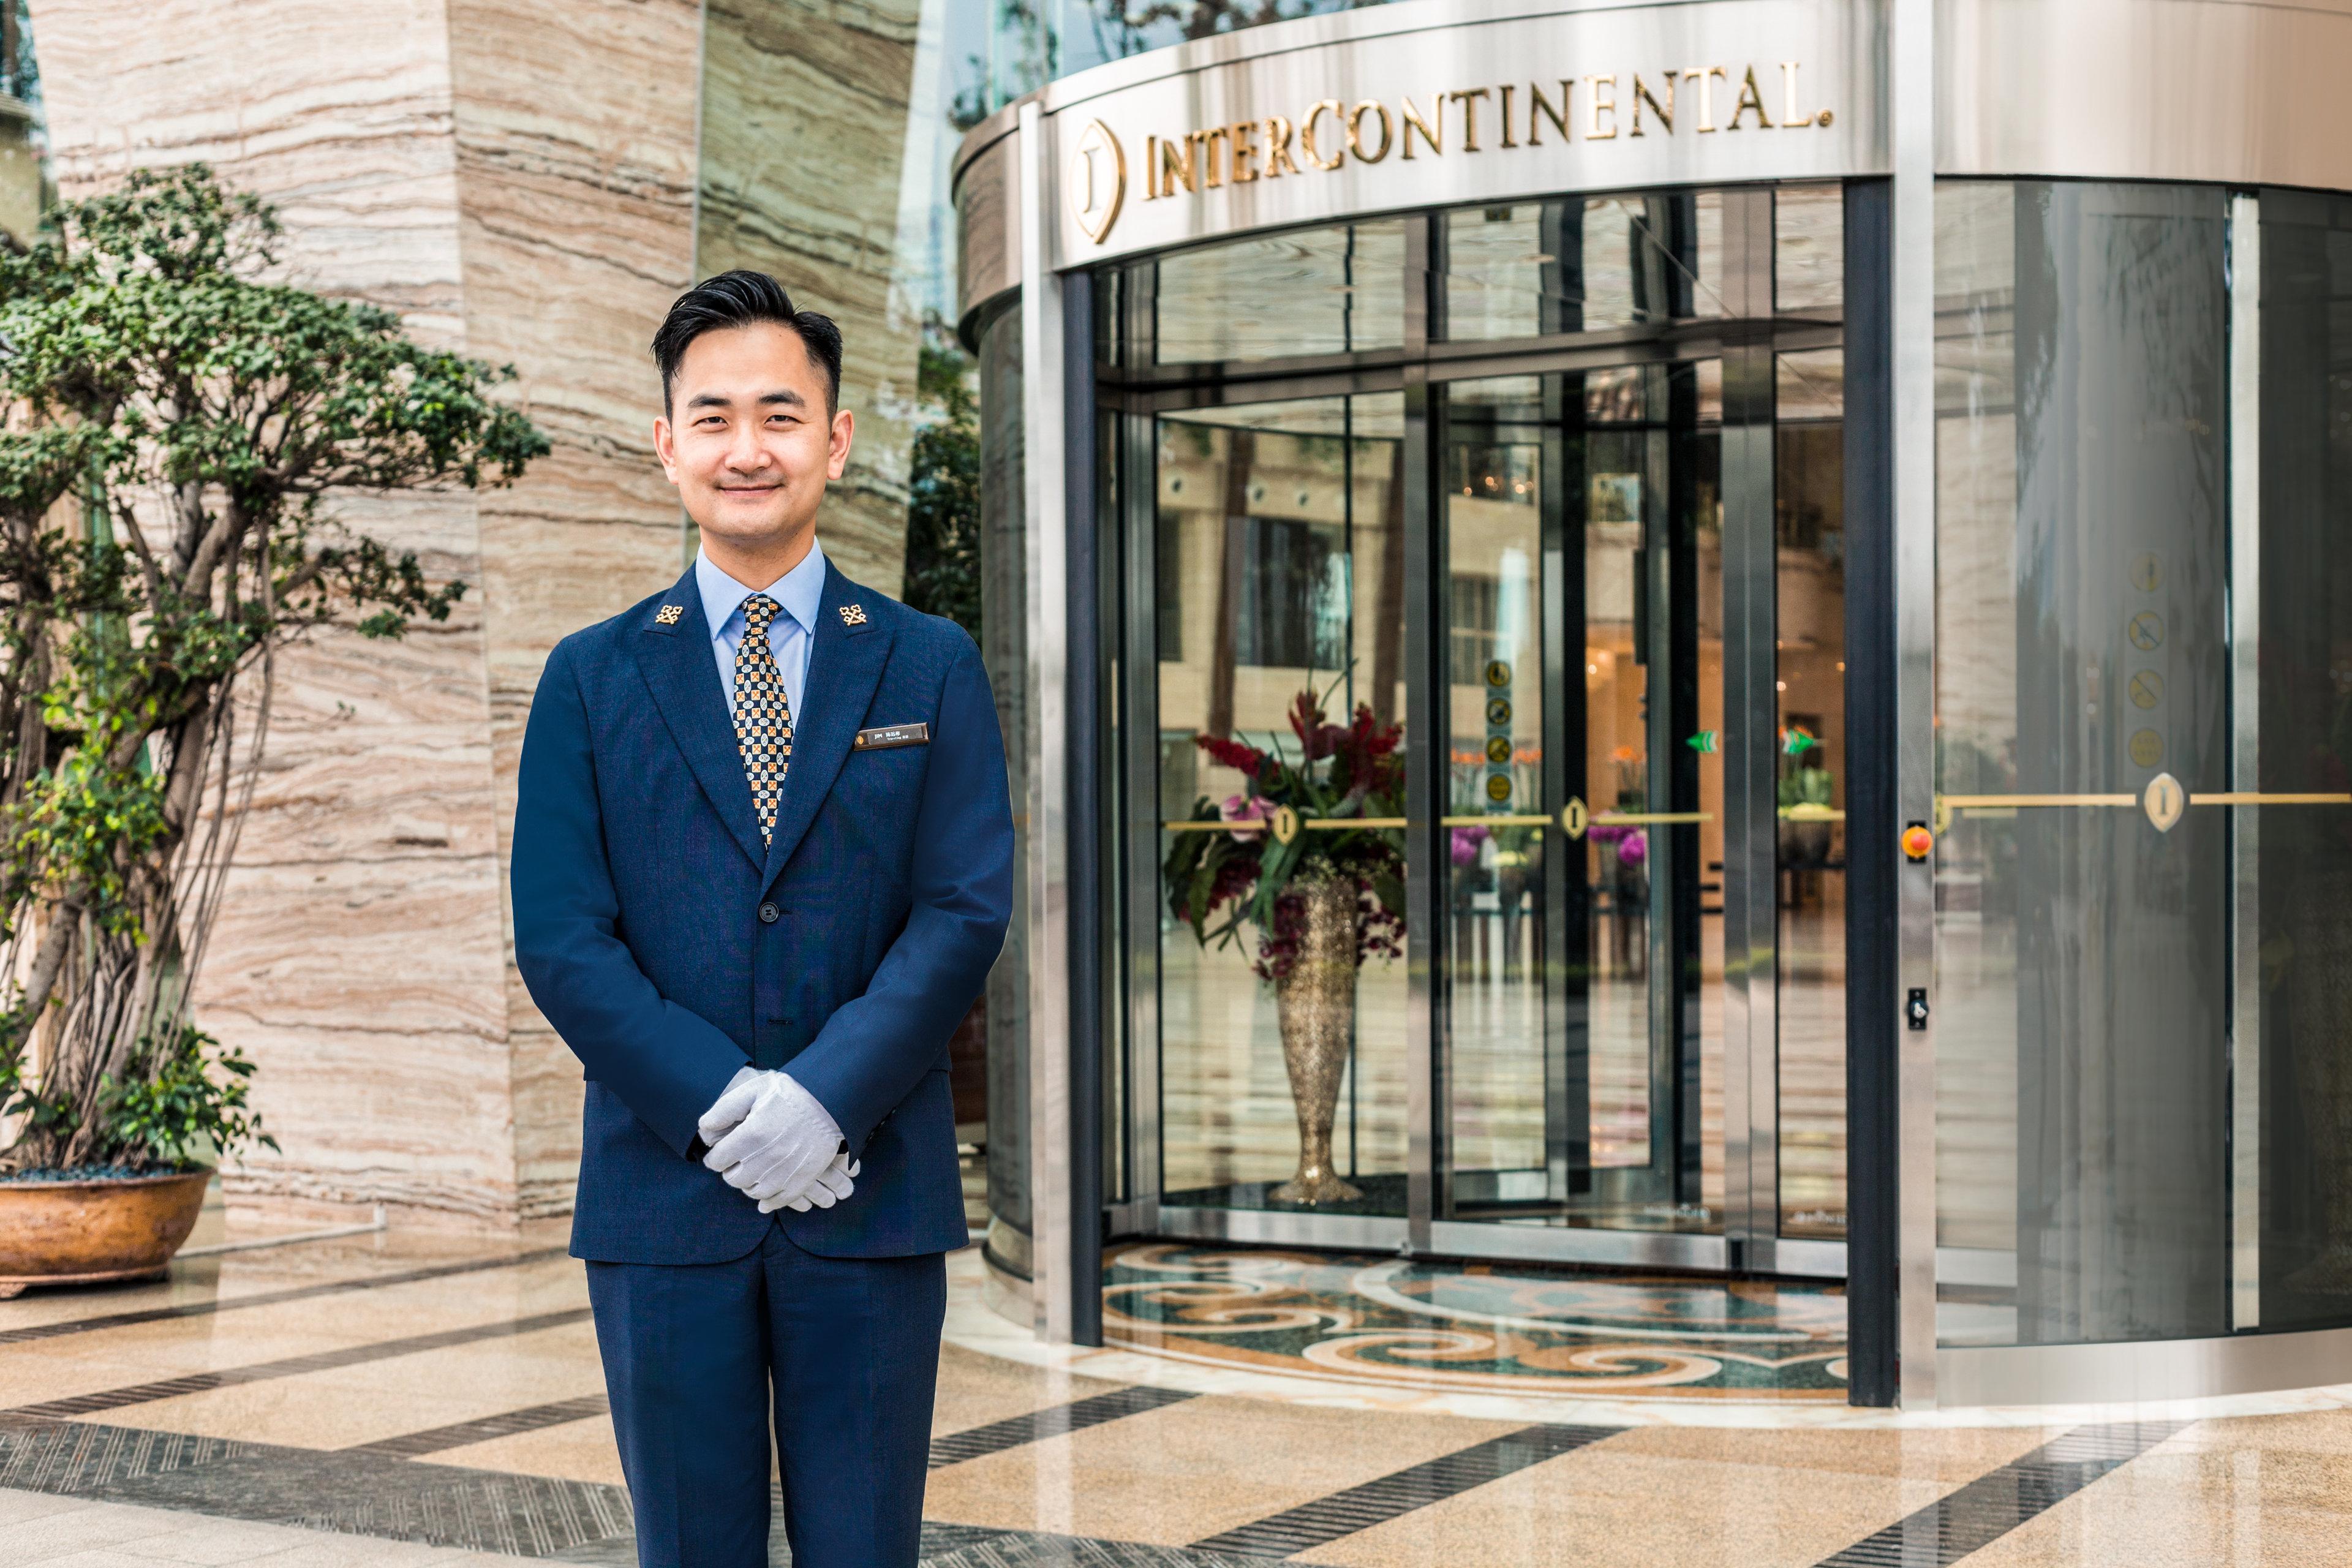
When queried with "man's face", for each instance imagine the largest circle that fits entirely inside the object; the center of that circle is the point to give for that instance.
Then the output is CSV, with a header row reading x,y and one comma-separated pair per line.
x,y
746,441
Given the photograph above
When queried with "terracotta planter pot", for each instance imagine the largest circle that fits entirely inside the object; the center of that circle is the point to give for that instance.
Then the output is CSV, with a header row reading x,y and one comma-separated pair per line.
x,y
85,1232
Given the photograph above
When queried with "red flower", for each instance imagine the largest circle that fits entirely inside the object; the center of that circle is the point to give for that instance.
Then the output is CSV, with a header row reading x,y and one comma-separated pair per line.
x,y
1232,753
1377,739
1317,739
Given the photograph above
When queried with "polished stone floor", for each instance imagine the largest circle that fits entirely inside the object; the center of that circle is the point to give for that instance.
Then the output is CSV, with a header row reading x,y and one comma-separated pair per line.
x,y
1397,1323
411,1398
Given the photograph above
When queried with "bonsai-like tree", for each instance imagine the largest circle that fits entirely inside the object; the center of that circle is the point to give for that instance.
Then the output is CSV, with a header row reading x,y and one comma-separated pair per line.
x,y
178,431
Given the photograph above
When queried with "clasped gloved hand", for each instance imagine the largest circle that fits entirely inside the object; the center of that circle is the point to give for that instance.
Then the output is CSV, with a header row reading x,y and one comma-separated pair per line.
x,y
784,1149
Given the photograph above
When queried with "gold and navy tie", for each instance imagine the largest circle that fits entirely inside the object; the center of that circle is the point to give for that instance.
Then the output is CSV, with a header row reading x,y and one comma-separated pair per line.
x,y
763,718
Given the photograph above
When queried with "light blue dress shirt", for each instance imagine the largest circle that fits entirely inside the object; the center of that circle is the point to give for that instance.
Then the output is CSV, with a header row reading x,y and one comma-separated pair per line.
x,y
791,635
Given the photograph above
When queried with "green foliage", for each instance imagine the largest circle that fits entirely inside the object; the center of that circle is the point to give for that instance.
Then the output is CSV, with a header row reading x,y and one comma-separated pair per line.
x,y
188,1109
182,428
1804,786
943,500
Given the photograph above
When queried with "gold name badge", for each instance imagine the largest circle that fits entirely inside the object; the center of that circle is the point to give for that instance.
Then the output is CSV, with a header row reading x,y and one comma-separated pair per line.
x,y
885,735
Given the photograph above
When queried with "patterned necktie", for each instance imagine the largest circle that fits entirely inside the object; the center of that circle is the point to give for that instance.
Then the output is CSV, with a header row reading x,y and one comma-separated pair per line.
x,y
763,718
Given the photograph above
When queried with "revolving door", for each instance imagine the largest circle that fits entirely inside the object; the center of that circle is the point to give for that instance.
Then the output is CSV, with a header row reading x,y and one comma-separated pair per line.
x,y
1525,616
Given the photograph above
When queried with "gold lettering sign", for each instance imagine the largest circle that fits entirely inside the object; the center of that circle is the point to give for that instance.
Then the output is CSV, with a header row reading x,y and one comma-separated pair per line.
x,y
1444,121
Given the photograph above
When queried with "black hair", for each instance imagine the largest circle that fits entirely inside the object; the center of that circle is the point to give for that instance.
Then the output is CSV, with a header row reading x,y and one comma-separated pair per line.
x,y
738,298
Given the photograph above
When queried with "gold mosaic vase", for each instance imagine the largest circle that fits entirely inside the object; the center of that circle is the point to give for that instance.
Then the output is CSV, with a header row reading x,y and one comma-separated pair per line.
x,y
1316,1003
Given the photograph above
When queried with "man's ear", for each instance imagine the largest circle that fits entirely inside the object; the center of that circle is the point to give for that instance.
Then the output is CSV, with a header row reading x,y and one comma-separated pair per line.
x,y
666,446
838,449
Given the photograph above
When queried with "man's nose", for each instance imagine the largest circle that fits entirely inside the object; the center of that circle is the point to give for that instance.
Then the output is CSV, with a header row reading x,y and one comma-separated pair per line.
x,y
743,452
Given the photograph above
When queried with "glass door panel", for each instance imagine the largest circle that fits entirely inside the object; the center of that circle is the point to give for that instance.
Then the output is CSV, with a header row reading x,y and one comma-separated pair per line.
x,y
2082,953
1495,517
1809,807
1279,564
1583,958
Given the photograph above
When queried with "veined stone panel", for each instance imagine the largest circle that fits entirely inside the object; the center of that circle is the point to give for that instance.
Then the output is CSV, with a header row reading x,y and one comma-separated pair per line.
x,y
803,132
522,185
357,957
576,166
340,113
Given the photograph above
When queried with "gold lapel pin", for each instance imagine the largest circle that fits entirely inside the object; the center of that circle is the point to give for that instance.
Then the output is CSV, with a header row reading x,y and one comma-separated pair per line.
x,y
669,615
852,614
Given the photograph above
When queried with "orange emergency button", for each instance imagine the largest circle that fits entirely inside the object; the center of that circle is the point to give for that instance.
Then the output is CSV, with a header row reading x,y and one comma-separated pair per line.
x,y
1917,841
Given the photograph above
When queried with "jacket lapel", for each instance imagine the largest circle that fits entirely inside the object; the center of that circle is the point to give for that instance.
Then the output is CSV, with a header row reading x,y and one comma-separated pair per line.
x,y
677,666
844,666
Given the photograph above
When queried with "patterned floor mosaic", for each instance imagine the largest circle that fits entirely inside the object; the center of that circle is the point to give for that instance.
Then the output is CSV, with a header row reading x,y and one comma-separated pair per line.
x,y
1479,1327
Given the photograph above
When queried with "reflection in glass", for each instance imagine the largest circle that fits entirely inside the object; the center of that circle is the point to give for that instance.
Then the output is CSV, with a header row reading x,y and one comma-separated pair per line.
x,y
1808,529
2303,862
1310,291
1279,551
1004,518
2082,955
1809,250
1609,1110
996,51
1582,264
1496,480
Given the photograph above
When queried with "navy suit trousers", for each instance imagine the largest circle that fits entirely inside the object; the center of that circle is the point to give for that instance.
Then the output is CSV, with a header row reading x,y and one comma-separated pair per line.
x,y
845,1351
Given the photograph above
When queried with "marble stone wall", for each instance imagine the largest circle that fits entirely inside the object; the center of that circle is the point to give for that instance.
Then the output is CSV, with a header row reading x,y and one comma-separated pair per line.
x,y
804,128
522,191
575,157
522,181
357,957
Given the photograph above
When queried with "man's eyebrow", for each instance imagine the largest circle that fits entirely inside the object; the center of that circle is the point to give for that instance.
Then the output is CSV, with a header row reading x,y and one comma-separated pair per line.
x,y
784,397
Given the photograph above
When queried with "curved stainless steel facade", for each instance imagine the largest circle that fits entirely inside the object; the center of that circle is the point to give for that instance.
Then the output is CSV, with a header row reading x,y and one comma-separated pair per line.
x,y
2208,90
1439,103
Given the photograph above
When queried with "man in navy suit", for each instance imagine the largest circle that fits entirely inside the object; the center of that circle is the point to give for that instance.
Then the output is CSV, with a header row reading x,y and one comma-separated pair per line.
x,y
763,863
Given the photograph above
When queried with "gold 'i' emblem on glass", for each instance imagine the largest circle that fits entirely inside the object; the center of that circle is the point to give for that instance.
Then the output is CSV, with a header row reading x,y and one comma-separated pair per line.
x,y
1097,179
2164,801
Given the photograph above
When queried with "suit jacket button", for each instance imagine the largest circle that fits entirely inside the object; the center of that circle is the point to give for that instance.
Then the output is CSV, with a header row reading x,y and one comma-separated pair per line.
x,y
769,914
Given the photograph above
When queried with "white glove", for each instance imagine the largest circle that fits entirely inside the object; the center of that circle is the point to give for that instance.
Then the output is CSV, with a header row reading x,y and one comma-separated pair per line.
x,y
729,1108
784,1143
839,1179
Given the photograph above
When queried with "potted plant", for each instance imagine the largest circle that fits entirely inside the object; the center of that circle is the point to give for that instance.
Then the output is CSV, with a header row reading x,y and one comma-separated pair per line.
x,y
1321,896
1806,817
178,431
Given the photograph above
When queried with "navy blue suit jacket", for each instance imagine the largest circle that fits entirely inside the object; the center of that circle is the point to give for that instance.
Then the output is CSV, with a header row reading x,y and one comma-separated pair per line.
x,y
668,948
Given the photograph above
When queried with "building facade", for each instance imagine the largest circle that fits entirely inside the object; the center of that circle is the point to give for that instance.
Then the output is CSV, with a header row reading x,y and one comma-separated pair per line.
x,y
1811,528
1786,558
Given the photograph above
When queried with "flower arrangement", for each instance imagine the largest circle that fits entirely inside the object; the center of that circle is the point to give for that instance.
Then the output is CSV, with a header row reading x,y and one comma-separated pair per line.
x,y
1217,882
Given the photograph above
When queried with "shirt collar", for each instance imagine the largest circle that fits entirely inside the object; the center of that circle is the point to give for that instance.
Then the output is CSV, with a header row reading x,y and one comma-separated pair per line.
x,y
800,590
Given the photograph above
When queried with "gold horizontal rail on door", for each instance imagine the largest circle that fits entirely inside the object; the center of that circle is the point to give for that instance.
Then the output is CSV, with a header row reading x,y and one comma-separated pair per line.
x,y
2163,801
1324,823
2201,797
1341,824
